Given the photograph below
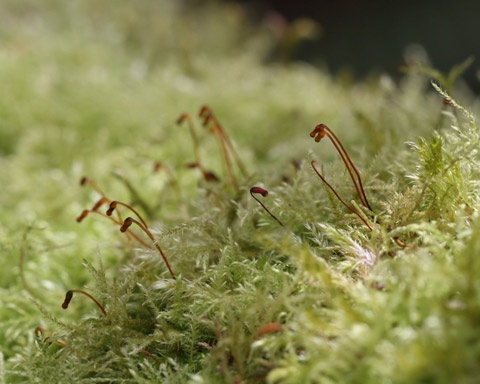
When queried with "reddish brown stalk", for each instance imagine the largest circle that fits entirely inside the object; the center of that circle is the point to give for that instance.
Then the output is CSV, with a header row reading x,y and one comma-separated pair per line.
x,y
39,331
196,151
171,177
103,200
69,296
207,114
264,193
322,130
338,196
100,202
85,180
114,204
215,129
85,213
207,175
228,162
129,221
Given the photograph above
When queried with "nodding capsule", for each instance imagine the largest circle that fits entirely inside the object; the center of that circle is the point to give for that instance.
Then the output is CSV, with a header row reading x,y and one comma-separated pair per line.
x,y
259,190
264,193
82,216
68,298
126,224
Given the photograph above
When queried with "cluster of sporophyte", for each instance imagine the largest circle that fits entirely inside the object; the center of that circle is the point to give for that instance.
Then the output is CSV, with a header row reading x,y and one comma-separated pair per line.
x,y
363,269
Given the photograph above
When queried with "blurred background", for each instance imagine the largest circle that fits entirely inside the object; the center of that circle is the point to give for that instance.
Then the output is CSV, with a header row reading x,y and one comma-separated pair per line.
x,y
367,37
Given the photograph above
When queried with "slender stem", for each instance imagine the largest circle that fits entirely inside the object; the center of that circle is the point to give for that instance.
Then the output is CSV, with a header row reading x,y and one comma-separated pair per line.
x,y
207,175
226,157
227,140
348,169
366,204
208,115
264,193
85,180
130,233
114,204
100,202
103,199
171,177
338,196
195,141
128,222
69,296
135,195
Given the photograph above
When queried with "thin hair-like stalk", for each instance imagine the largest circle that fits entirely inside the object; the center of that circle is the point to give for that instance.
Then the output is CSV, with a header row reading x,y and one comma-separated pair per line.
x,y
203,111
39,331
322,130
226,157
338,196
129,221
207,115
86,212
207,175
103,200
86,180
215,129
195,141
114,204
171,177
69,296
264,193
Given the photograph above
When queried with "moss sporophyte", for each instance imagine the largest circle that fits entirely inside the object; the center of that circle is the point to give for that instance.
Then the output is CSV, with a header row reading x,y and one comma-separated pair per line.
x,y
65,304
320,131
206,174
264,193
94,210
324,289
142,225
69,297
125,225
228,151
226,147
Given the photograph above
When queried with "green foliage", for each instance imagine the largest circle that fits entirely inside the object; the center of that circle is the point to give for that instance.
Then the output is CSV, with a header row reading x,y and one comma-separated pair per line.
x,y
94,89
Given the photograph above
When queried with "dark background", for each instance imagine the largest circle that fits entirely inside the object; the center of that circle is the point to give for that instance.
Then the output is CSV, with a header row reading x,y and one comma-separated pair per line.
x,y
372,36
